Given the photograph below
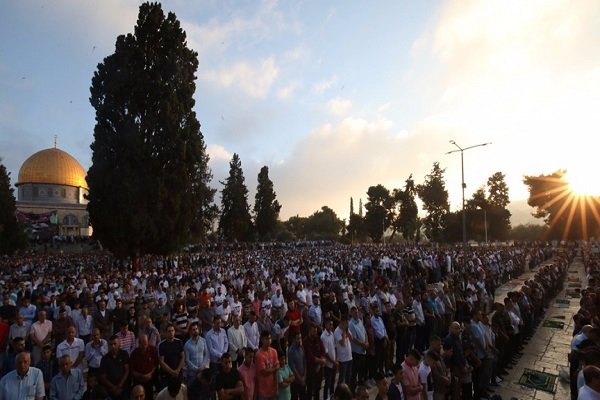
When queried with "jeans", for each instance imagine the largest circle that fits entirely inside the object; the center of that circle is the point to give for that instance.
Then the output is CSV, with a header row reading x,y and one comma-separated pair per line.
x,y
345,374
329,382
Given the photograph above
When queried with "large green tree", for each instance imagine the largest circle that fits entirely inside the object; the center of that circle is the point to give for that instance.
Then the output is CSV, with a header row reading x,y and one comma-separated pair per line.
x,y
323,224
407,220
149,177
12,235
380,214
235,222
434,196
266,206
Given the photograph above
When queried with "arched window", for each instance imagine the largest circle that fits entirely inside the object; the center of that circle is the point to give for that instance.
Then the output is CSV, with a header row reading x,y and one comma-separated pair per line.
x,y
70,219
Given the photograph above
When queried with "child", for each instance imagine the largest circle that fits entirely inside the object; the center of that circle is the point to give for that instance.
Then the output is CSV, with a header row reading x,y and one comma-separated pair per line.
x,y
284,377
248,374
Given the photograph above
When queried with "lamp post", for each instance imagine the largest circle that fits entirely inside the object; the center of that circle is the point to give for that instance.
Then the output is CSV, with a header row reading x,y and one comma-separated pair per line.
x,y
462,167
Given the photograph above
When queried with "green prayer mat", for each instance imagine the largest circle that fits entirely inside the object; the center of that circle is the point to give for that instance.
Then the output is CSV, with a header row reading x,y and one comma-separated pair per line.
x,y
553,324
539,380
559,317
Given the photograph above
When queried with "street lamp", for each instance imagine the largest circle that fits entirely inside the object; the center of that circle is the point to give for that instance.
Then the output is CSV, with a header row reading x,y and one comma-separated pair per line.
x,y
462,167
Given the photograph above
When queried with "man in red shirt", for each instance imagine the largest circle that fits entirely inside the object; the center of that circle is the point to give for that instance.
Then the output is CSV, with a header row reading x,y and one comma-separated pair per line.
x,y
295,317
315,361
143,362
267,364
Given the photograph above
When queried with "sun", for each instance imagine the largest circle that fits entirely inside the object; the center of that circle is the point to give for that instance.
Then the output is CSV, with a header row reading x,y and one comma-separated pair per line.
x,y
583,184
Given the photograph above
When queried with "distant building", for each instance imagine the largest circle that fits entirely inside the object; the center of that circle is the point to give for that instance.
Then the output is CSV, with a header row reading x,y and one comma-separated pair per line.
x,y
50,194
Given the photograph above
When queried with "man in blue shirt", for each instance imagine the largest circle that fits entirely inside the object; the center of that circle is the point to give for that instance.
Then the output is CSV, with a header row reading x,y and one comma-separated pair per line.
x,y
196,353
25,382
358,343
68,383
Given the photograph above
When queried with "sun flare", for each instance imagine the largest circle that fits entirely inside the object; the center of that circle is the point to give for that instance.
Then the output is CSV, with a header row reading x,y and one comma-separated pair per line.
x,y
583,184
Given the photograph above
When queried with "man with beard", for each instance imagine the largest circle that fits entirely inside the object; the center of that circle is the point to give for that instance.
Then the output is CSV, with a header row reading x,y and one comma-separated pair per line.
x,y
196,353
171,357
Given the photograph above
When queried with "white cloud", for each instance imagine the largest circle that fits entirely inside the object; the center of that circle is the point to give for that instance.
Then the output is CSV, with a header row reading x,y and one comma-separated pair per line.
x,y
287,91
527,80
339,106
218,152
254,79
322,86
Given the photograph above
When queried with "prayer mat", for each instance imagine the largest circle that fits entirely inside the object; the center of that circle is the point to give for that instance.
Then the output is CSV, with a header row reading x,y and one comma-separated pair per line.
x,y
563,301
561,305
573,293
574,285
553,324
559,317
539,380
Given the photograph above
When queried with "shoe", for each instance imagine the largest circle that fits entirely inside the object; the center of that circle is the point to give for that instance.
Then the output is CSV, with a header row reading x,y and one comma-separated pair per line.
x,y
498,379
370,382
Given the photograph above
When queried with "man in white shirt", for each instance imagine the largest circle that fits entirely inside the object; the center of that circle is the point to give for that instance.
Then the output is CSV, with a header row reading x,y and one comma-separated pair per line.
x,y
252,333
238,341
328,340
343,350
40,335
73,347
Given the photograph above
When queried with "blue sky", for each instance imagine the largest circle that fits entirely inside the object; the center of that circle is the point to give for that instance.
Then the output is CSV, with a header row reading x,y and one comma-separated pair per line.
x,y
334,96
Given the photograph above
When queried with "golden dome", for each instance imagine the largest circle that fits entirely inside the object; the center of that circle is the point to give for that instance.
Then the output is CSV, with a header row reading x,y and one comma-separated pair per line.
x,y
52,166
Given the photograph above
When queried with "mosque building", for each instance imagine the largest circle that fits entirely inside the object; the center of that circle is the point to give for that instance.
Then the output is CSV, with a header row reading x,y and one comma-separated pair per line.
x,y
51,190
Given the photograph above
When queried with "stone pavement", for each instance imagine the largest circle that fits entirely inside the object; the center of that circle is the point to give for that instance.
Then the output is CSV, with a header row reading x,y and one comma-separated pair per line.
x,y
548,348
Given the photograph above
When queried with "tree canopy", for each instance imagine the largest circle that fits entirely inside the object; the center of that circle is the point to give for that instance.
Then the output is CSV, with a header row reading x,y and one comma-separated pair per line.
x,y
235,222
12,235
266,206
434,196
148,183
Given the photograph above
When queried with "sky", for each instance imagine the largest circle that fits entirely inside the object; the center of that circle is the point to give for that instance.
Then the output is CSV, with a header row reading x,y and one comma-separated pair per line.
x,y
334,96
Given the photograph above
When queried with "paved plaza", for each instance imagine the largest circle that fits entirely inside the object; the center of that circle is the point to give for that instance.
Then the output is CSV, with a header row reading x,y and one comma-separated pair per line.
x,y
548,348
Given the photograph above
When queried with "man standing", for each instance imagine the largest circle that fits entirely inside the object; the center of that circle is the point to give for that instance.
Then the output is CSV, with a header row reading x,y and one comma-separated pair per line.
x,y
343,351
126,338
236,335
25,382
252,332
332,365
358,344
171,357
248,375
217,342
150,330
74,348
94,351
380,337
68,384
297,363
114,370
40,335
267,364
315,360
102,320
143,364
228,383
196,354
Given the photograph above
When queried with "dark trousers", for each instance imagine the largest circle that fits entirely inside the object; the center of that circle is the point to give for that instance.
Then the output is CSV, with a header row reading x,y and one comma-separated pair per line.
x,y
359,369
313,383
379,355
298,391
345,373
329,382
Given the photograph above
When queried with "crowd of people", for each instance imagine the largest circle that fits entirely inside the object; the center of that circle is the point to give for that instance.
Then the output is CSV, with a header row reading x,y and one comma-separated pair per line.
x,y
584,359
272,322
